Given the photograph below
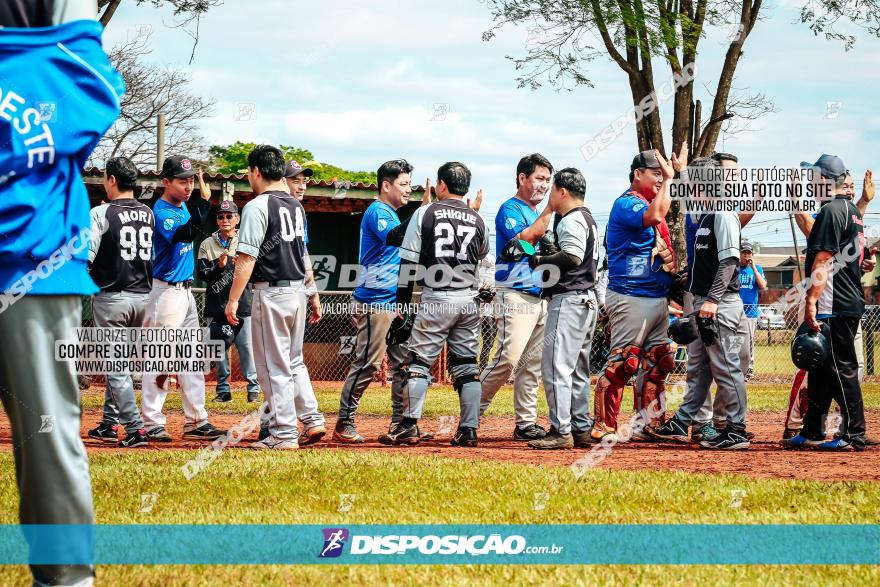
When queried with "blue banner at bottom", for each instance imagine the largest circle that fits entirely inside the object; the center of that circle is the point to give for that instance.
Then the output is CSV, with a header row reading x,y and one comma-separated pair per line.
x,y
441,544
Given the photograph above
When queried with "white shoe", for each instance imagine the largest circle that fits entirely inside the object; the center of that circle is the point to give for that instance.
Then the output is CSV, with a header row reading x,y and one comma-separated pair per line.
x,y
268,443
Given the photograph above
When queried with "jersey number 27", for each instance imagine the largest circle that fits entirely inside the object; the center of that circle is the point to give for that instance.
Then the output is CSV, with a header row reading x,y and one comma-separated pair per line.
x,y
444,235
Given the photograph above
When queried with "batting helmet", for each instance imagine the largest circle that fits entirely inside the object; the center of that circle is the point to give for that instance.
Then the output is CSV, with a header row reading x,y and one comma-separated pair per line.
x,y
684,330
400,329
810,349
220,329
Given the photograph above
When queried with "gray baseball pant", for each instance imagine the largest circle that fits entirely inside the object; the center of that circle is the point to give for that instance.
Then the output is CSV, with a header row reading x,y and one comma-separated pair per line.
x,y
720,362
451,317
245,360
372,326
565,363
279,320
42,400
520,328
120,309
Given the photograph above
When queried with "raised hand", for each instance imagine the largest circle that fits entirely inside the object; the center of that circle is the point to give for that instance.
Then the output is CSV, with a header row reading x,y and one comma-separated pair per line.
x,y
478,201
426,197
680,161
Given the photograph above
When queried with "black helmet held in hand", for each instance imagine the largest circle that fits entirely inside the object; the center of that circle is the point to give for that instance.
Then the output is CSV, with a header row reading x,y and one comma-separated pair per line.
x,y
810,349
684,330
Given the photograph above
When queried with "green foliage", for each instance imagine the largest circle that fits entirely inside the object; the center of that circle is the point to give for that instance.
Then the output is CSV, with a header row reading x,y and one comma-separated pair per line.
x,y
233,159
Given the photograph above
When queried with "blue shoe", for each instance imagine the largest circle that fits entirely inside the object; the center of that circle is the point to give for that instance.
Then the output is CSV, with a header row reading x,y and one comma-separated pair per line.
x,y
840,445
800,441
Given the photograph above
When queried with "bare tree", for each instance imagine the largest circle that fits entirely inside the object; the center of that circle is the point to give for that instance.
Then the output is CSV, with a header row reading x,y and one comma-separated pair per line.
x,y
149,90
186,10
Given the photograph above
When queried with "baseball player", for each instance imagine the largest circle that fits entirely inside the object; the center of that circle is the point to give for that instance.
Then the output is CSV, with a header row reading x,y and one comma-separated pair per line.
x,y
272,255
446,241
44,220
640,271
714,285
216,264
828,168
521,311
751,282
120,263
373,303
571,313
836,299
171,303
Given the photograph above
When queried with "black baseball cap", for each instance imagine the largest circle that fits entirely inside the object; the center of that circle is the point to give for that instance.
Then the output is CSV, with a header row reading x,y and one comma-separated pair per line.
x,y
745,247
830,166
292,169
178,166
645,160
227,206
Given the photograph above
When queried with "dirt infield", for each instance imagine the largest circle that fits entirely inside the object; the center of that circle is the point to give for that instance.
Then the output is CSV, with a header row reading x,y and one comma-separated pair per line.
x,y
765,458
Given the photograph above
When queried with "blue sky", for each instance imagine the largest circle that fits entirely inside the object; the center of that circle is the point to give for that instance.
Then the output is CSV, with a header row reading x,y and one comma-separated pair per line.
x,y
358,84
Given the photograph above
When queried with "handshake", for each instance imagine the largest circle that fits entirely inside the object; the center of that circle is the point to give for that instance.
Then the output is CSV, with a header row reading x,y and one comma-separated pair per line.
x,y
517,249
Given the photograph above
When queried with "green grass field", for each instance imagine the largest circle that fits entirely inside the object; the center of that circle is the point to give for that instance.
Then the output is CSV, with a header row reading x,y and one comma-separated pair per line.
x,y
304,487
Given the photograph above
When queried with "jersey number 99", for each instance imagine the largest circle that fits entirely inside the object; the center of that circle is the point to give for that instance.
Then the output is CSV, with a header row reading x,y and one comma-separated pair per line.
x,y
134,243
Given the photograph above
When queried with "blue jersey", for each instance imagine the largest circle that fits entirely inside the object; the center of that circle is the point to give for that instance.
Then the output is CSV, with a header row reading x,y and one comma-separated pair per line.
x,y
171,261
748,290
380,264
629,244
512,218
59,96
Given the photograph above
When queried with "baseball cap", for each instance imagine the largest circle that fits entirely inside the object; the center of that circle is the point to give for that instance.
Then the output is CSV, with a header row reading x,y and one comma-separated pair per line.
x,y
177,166
292,169
220,329
227,206
830,166
645,160
745,247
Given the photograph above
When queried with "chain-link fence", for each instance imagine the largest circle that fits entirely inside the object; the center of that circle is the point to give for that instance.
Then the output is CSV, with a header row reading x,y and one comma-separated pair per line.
x,y
329,345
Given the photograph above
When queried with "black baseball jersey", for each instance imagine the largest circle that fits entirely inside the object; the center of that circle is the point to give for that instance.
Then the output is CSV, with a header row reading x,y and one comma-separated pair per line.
x,y
839,229
273,229
717,239
448,240
121,248
578,235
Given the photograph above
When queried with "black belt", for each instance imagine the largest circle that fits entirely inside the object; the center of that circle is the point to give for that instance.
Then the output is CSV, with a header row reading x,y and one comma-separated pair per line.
x,y
179,284
284,282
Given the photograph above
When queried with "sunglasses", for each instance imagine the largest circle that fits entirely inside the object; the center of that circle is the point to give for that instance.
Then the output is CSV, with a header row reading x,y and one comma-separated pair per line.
x,y
224,217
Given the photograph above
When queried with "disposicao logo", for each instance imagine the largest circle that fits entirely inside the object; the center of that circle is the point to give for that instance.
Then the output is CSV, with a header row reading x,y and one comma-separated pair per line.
x,y
334,542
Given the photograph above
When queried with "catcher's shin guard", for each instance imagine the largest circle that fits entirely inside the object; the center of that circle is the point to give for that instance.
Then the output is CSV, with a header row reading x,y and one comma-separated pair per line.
x,y
658,362
798,400
622,364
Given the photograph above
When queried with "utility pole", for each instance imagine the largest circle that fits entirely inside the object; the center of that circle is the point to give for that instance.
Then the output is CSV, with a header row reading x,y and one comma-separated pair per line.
x,y
160,141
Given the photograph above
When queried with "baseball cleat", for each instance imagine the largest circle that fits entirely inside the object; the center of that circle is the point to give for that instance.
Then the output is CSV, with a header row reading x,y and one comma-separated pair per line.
x,y
728,440
529,432
705,432
347,433
840,445
871,440
263,434
581,439
223,398
426,436
134,439
253,397
799,442
642,435
790,433
105,432
465,436
600,431
270,444
312,435
159,434
204,432
671,430
553,440
401,434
